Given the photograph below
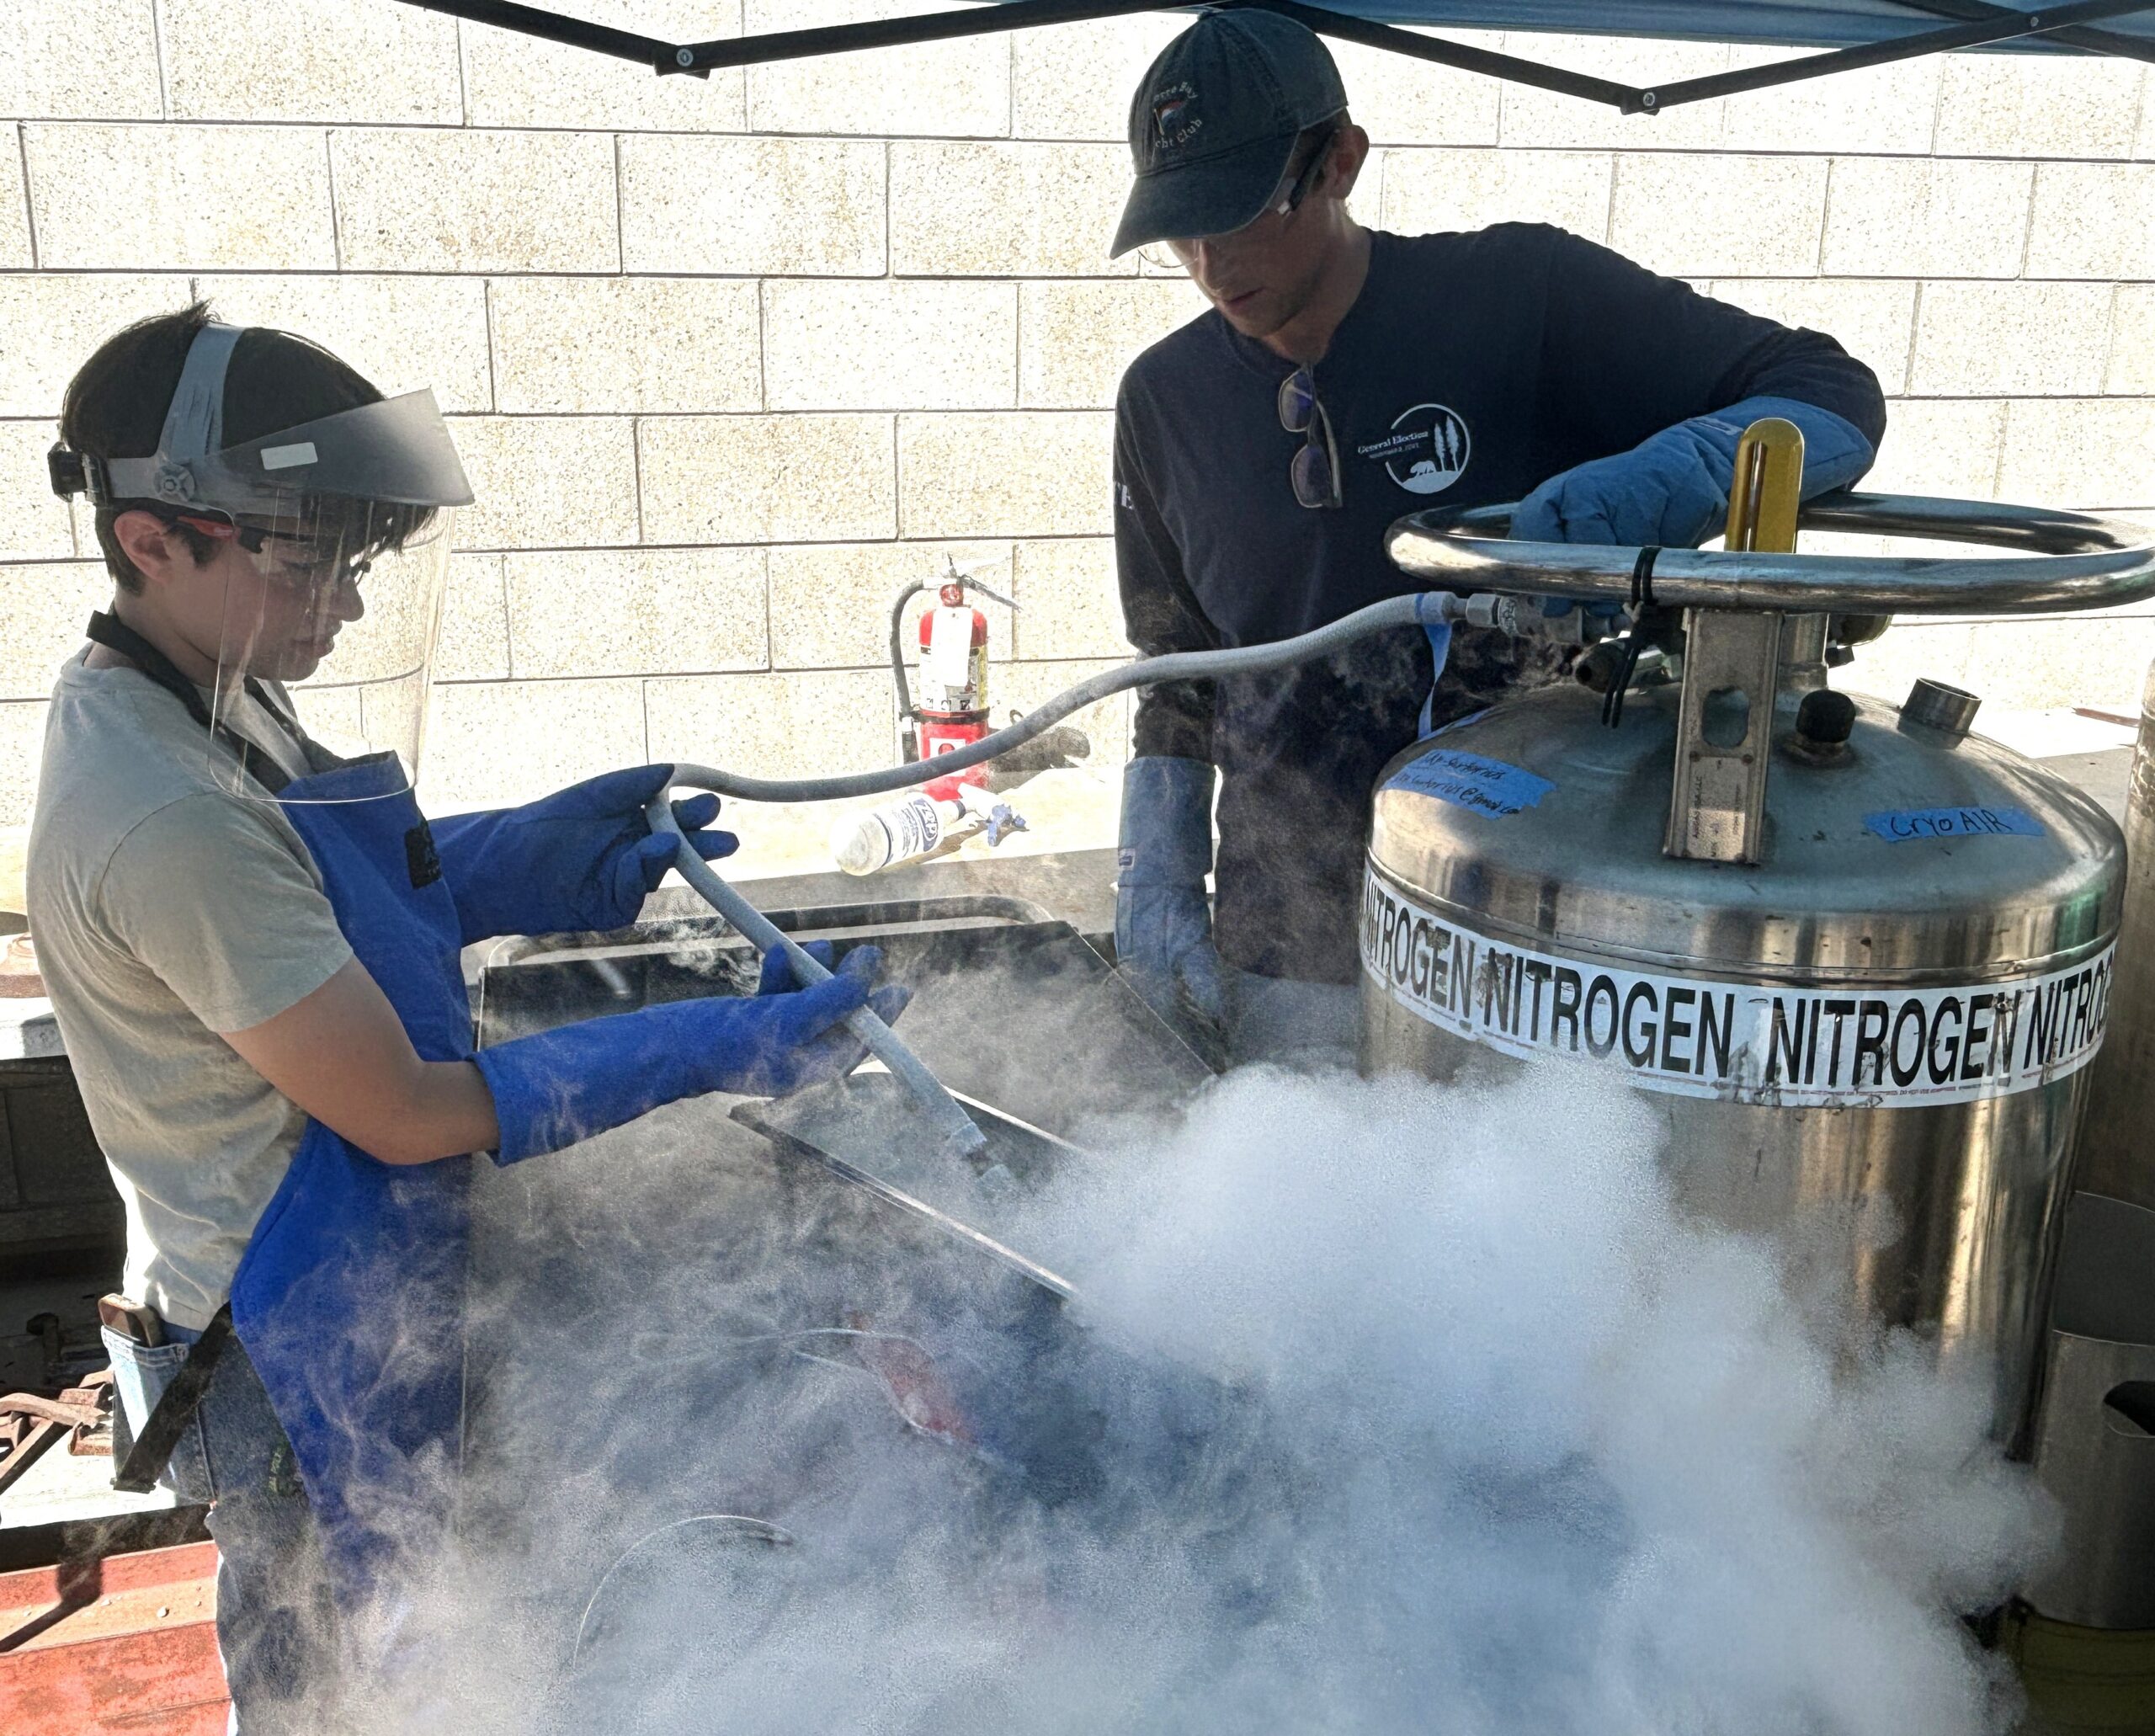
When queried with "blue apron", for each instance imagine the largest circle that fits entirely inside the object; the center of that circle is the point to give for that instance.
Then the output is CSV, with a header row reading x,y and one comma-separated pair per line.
x,y
349,1298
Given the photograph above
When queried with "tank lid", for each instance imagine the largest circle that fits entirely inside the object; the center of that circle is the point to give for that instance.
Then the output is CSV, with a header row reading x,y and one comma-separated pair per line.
x,y
1904,851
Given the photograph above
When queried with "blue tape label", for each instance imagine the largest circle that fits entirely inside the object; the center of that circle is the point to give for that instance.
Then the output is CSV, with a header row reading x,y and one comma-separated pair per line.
x,y
1900,825
1487,786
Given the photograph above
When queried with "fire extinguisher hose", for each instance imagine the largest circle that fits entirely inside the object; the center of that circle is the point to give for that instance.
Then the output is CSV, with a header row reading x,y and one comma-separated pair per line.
x,y
907,711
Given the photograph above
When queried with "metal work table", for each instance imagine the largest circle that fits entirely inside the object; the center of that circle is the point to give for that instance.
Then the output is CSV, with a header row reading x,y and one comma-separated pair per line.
x,y
67,1223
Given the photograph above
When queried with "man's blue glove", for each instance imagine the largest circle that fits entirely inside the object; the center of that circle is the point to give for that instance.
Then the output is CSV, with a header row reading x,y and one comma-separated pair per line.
x,y
1672,491
583,858
557,1087
1162,925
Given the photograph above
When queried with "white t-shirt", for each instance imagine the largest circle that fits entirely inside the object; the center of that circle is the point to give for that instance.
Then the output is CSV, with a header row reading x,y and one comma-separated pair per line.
x,y
166,908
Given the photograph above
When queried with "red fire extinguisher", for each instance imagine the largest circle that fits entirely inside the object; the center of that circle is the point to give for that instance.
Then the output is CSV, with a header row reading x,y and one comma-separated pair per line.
x,y
951,711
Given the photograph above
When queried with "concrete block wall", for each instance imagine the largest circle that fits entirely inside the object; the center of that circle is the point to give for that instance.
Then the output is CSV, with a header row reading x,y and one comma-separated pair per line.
x,y
730,360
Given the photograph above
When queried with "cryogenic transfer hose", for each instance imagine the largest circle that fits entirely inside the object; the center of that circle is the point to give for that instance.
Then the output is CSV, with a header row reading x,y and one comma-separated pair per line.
x,y
957,1127
1427,609
2079,560
953,1124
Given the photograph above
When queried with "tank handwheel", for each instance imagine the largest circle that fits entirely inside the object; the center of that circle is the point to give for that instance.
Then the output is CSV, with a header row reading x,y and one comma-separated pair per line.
x,y
2067,561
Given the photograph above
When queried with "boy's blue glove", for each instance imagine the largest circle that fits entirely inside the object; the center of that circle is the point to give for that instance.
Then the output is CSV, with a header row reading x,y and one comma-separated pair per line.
x,y
557,1087
1672,491
1162,924
584,858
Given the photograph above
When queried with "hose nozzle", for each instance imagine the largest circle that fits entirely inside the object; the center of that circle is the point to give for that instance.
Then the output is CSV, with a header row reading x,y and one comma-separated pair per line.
x,y
1521,617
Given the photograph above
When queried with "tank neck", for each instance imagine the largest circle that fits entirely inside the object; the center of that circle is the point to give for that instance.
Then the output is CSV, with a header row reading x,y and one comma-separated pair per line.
x,y
1803,653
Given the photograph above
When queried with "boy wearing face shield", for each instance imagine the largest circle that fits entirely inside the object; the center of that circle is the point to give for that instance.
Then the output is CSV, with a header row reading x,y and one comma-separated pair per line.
x,y
251,937
1341,378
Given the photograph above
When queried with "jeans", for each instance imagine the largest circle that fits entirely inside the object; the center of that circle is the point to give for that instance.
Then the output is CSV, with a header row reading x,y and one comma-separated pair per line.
x,y
1307,1026
276,1629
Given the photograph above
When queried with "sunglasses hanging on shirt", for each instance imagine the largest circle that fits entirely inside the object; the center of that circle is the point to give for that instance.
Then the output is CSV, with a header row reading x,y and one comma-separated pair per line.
x,y
1315,469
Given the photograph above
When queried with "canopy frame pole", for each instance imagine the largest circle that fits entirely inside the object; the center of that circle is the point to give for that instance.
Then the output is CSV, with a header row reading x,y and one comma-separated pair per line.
x,y
2002,24
1446,53
896,32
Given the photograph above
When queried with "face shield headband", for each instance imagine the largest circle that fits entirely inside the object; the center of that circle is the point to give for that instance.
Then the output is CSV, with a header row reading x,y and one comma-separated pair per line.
x,y
395,452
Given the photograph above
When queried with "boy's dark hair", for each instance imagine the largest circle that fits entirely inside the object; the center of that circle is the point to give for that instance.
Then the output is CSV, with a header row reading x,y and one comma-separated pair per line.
x,y
116,403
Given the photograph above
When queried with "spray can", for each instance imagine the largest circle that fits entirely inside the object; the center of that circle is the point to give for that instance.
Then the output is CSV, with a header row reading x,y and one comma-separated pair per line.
x,y
907,829
902,831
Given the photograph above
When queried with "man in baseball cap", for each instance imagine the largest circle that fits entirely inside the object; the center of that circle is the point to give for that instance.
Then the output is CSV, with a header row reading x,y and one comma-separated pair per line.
x,y
1215,121
1342,376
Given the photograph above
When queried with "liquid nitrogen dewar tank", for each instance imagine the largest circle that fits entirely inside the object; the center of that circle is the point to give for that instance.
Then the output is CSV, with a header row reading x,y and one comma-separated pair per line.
x,y
1877,1036
1854,957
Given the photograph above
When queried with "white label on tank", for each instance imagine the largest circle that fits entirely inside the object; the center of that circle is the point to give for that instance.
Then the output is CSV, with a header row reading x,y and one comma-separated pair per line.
x,y
950,661
1798,1045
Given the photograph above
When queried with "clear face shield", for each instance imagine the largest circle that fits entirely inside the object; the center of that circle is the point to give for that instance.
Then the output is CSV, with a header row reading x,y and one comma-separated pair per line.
x,y
332,541
330,610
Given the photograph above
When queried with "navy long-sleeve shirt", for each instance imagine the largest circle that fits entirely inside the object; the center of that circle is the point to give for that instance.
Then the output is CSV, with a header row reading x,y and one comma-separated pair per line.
x,y
1471,368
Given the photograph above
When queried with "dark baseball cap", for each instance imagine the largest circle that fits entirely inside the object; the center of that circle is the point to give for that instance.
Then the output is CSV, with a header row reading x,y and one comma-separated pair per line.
x,y
1215,120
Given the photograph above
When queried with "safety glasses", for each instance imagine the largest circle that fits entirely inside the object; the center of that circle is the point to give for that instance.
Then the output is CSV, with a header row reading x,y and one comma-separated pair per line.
x,y
1284,204
1315,469
292,556
299,560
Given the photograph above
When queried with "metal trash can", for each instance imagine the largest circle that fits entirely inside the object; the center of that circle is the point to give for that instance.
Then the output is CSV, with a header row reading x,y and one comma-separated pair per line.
x,y
2095,1434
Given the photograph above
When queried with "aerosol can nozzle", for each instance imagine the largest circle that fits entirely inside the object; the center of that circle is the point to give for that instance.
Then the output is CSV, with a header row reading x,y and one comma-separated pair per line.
x,y
997,816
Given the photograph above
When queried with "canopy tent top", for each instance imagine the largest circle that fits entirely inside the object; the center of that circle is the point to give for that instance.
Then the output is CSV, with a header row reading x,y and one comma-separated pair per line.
x,y
1850,34
1794,24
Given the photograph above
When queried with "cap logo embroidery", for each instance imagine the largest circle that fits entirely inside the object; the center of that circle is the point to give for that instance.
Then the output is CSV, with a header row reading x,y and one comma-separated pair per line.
x,y
1173,121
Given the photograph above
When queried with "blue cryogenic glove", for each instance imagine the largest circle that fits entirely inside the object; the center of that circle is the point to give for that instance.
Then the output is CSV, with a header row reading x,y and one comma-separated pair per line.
x,y
1162,925
583,858
557,1087
1672,491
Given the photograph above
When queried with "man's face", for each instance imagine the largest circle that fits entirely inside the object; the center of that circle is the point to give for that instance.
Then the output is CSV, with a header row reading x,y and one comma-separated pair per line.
x,y
1265,274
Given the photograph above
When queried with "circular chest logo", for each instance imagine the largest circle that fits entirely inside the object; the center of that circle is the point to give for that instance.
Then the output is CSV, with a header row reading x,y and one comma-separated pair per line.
x,y
1426,451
